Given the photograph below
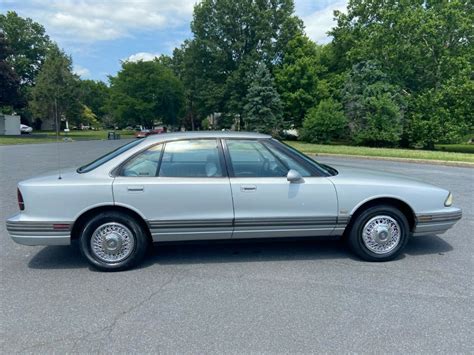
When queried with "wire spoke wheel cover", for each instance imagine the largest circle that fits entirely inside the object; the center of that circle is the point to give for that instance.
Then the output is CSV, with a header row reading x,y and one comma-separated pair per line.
x,y
112,242
381,234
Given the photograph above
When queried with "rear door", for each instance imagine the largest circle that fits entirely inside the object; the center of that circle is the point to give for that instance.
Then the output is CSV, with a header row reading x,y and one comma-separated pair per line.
x,y
181,188
266,204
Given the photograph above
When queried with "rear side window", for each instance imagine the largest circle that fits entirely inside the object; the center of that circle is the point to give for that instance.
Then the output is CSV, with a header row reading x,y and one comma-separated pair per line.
x,y
191,158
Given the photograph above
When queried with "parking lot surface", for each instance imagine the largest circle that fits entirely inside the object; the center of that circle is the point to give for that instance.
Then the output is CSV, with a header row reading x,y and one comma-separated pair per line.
x,y
237,297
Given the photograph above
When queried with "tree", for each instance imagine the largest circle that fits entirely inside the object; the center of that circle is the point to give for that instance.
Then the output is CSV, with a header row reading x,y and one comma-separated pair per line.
x,y
9,80
186,70
298,79
262,110
55,95
422,47
145,92
29,45
443,115
230,37
419,44
89,117
373,105
94,95
324,122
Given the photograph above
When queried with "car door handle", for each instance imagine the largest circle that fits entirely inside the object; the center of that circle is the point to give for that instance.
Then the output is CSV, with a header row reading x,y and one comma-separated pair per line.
x,y
248,188
135,188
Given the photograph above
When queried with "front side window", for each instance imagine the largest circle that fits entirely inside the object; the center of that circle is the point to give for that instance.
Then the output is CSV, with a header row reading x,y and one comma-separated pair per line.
x,y
191,158
251,158
289,162
144,164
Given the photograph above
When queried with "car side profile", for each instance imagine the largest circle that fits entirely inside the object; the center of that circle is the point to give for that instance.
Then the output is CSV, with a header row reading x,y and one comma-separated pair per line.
x,y
222,185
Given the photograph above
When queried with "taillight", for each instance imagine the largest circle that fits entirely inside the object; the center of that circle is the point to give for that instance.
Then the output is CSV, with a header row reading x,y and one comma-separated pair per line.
x,y
21,203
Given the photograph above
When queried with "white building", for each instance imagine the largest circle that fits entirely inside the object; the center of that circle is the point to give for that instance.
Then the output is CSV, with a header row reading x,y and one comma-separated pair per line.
x,y
9,125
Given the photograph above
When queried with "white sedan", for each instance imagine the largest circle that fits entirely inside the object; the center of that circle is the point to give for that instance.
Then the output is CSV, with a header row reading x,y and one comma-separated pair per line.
x,y
24,129
222,185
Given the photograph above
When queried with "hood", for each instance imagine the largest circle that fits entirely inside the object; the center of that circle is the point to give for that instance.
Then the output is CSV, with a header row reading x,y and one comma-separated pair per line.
x,y
375,176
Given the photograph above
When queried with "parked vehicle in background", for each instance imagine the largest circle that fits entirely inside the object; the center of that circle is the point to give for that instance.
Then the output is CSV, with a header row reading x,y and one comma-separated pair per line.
x,y
24,129
142,134
148,132
84,127
222,185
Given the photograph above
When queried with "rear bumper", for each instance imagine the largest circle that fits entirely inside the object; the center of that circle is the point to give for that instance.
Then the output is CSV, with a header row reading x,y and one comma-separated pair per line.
x,y
38,233
436,223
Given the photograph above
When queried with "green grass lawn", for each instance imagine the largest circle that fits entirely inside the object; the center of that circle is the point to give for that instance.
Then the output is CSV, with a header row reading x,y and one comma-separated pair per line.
x,y
382,152
50,136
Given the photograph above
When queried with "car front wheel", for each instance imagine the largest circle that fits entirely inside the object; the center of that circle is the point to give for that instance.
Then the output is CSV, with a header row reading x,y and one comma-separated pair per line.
x,y
113,241
379,233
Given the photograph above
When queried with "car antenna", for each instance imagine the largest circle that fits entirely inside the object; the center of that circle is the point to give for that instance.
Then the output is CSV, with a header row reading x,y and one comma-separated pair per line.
x,y
57,136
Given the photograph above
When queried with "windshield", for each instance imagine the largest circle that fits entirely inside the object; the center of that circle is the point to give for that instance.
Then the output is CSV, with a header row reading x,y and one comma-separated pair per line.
x,y
326,168
105,158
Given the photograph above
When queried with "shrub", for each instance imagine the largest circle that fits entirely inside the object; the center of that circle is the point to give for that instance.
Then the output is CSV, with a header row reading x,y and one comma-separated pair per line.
x,y
324,122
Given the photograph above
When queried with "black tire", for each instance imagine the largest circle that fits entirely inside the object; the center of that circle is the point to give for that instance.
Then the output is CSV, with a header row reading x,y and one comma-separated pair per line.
x,y
135,253
355,234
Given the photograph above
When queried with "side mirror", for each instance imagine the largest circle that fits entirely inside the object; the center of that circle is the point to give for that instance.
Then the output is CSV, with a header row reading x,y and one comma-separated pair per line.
x,y
294,176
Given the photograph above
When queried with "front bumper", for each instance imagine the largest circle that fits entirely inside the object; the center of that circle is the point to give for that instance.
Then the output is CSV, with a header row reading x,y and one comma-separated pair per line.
x,y
437,222
38,232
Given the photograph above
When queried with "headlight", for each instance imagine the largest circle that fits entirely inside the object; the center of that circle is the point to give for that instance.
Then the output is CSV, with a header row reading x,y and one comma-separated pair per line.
x,y
449,200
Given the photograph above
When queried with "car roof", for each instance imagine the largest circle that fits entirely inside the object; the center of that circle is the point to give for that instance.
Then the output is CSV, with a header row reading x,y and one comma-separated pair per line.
x,y
207,134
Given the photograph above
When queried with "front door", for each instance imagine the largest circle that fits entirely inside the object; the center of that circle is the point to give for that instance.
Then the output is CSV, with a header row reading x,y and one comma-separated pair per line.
x,y
266,204
181,188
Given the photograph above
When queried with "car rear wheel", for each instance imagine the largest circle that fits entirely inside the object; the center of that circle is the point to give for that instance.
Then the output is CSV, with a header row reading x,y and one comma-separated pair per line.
x,y
113,241
379,233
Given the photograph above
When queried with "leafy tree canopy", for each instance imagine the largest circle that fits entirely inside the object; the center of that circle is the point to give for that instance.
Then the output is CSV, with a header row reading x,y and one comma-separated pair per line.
x,y
230,37
55,95
419,44
373,105
145,92
94,95
29,45
299,78
9,80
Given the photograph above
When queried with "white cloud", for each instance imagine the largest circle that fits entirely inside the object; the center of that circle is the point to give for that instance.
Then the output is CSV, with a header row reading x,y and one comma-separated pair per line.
x,y
95,20
144,56
320,22
81,71
87,21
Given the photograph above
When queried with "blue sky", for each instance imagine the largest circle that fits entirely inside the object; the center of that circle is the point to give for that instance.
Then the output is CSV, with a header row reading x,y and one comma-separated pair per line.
x,y
98,34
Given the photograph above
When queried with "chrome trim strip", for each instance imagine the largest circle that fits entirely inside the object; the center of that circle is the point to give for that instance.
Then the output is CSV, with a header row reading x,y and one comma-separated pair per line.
x,y
208,223
291,221
343,219
323,222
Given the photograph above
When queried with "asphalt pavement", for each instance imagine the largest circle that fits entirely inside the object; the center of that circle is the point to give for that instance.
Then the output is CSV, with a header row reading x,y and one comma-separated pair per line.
x,y
237,297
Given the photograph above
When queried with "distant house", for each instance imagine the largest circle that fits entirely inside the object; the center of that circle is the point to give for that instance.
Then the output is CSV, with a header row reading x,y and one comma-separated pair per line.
x,y
9,125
